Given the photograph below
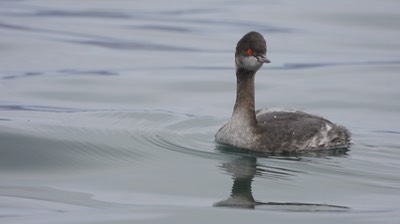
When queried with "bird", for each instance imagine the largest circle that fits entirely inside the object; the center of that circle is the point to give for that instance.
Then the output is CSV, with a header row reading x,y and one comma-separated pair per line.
x,y
268,130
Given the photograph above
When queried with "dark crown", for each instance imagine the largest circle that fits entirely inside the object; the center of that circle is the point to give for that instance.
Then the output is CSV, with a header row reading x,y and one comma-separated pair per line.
x,y
251,41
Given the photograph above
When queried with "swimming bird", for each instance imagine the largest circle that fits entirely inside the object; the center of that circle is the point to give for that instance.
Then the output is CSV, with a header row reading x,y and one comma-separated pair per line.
x,y
271,131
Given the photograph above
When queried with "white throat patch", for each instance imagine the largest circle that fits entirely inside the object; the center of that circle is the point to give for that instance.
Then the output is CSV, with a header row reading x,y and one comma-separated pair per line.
x,y
249,63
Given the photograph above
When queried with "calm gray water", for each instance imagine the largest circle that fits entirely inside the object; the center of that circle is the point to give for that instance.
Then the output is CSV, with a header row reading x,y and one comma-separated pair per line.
x,y
108,111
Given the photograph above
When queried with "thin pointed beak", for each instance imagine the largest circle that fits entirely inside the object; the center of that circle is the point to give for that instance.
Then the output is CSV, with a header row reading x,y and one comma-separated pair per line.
x,y
264,59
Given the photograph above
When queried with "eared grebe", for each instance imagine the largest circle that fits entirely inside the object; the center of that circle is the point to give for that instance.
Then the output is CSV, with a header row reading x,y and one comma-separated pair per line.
x,y
272,131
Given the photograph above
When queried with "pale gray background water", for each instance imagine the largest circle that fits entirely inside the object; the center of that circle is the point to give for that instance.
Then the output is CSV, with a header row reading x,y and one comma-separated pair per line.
x,y
108,110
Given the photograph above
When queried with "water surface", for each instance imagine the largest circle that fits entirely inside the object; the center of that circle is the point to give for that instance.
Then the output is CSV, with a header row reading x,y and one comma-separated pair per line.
x,y
108,111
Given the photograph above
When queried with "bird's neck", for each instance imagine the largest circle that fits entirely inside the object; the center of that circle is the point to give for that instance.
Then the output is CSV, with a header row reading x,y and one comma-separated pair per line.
x,y
244,110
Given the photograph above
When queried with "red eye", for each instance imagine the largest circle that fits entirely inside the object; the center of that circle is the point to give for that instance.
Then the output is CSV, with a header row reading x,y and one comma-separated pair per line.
x,y
250,52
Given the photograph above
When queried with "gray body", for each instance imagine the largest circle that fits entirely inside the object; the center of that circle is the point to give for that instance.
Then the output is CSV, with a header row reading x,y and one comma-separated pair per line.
x,y
284,132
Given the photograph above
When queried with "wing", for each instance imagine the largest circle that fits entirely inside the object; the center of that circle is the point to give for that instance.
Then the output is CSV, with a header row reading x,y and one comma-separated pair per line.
x,y
287,130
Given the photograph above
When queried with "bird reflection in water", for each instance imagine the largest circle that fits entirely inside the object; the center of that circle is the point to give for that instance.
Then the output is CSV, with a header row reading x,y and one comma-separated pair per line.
x,y
243,168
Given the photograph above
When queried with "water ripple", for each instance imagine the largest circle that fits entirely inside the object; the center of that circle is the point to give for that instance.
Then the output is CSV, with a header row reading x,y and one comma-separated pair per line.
x,y
89,139
125,45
